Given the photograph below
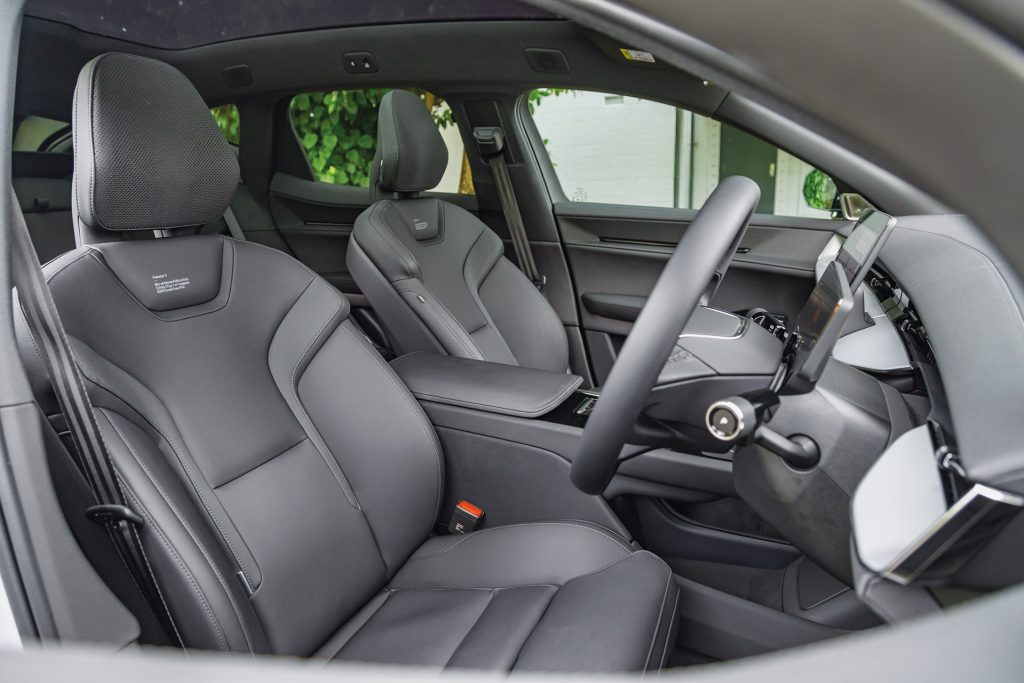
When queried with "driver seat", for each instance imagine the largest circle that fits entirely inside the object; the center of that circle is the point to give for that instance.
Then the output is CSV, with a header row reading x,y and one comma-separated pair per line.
x,y
436,275
288,481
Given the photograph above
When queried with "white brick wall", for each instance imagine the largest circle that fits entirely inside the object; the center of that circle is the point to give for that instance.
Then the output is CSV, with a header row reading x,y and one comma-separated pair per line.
x,y
622,150
617,153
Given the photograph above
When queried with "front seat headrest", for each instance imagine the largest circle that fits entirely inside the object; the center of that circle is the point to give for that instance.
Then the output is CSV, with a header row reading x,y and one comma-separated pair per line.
x,y
148,154
411,153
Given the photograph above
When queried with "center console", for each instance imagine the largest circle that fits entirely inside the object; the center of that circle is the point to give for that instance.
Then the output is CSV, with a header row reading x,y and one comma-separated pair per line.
x,y
510,433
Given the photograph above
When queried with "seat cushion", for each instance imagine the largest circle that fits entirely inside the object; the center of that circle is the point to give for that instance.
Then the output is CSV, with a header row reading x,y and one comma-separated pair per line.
x,y
550,596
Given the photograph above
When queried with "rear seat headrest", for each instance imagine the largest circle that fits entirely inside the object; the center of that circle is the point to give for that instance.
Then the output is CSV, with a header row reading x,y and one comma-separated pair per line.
x,y
148,154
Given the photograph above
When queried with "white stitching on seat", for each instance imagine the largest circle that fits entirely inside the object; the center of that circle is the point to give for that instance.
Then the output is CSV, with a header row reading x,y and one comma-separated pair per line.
x,y
668,636
407,260
151,524
657,624
431,436
192,481
476,534
184,524
475,355
295,392
475,588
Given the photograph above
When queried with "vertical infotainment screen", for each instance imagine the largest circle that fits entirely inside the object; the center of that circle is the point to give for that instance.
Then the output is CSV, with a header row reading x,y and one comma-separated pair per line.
x,y
818,326
862,246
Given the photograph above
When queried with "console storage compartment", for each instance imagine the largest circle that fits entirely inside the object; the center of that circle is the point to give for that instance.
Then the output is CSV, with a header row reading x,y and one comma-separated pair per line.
x,y
489,387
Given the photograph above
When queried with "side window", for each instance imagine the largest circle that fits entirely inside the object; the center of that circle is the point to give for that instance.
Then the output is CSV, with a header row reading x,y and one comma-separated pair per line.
x,y
616,149
226,116
338,131
40,134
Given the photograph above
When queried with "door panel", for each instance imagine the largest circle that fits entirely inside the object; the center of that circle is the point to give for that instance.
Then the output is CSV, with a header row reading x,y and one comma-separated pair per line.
x,y
315,219
616,254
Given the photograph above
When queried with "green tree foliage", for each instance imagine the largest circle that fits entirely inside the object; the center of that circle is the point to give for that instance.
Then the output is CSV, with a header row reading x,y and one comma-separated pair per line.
x,y
819,190
537,96
338,130
226,116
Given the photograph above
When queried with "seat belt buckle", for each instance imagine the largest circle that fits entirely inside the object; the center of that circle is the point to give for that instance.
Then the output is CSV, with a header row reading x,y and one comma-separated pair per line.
x,y
466,517
539,282
109,515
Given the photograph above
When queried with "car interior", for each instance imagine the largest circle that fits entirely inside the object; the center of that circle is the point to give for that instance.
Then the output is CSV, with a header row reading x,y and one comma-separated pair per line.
x,y
403,338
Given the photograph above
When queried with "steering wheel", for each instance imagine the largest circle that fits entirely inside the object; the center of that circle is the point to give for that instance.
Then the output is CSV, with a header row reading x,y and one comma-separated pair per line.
x,y
701,257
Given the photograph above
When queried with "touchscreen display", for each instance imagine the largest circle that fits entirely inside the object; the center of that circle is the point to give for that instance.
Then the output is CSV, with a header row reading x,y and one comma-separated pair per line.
x,y
861,248
818,326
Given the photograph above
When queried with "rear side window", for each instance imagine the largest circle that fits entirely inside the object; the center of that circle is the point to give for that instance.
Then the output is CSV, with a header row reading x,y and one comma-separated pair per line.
x,y
40,134
338,132
617,149
227,119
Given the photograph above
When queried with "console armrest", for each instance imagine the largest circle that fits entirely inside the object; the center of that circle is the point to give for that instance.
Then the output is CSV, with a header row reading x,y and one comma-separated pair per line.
x,y
492,387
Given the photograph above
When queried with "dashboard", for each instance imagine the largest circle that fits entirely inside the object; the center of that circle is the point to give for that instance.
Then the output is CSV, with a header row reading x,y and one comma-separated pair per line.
x,y
873,421
940,506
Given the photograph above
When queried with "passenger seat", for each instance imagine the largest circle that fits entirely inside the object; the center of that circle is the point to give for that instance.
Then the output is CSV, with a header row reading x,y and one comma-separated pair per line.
x,y
435,275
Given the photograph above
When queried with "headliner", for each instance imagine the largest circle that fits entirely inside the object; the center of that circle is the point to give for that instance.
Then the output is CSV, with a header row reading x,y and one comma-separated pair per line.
x,y
179,24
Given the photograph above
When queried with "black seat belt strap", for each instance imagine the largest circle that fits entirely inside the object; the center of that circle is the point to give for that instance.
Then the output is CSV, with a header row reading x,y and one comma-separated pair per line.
x,y
110,511
491,142
233,226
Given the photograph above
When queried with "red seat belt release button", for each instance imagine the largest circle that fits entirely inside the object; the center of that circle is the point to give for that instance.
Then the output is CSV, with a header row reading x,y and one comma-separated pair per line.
x,y
465,518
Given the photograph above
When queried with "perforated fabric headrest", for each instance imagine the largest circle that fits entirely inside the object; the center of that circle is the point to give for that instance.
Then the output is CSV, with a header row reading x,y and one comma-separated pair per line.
x,y
410,150
148,154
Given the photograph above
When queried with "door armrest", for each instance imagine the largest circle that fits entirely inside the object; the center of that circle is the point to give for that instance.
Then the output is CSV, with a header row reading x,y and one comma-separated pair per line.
x,y
623,307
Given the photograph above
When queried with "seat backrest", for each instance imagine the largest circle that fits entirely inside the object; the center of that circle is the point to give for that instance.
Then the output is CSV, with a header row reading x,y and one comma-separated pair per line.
x,y
283,471
434,273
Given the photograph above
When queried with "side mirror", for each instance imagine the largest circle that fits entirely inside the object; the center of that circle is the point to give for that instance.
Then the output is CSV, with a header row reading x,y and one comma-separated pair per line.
x,y
853,205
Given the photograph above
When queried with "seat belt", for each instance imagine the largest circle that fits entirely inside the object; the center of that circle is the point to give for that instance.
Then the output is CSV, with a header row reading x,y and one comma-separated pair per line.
x,y
491,142
110,510
233,227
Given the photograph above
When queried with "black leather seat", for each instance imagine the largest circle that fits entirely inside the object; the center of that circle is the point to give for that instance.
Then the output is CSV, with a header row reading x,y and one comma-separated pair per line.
x,y
288,481
434,273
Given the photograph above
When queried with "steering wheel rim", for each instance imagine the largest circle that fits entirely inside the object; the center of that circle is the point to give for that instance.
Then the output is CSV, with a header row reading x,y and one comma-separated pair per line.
x,y
704,250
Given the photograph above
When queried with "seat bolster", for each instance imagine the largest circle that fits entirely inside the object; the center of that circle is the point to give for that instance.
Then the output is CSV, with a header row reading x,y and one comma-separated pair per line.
x,y
196,577
542,553
376,238
114,388
438,319
406,331
621,618
510,299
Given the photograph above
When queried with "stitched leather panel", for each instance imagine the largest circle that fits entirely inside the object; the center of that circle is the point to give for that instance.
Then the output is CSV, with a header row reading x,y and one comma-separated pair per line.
x,y
222,397
457,284
492,387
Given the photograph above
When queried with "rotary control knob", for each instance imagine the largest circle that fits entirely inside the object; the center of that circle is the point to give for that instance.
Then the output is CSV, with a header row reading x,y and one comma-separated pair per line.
x,y
730,419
